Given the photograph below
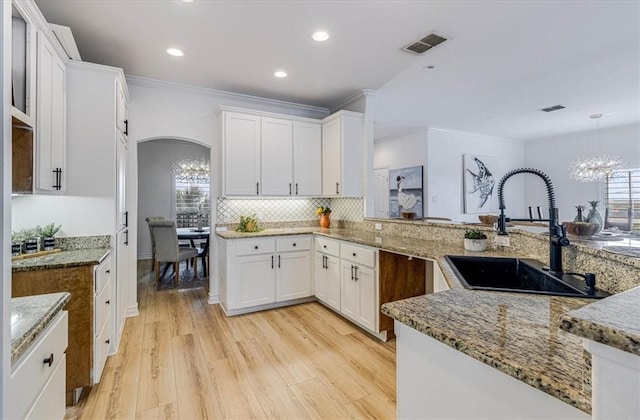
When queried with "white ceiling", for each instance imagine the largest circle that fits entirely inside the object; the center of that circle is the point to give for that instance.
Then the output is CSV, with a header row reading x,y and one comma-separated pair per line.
x,y
503,60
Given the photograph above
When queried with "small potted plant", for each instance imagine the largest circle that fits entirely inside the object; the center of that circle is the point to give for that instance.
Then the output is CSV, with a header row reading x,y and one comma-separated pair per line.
x,y
16,243
248,224
475,240
324,213
48,233
30,240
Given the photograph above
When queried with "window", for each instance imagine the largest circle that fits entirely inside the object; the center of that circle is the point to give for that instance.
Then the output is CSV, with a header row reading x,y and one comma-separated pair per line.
x,y
622,195
192,199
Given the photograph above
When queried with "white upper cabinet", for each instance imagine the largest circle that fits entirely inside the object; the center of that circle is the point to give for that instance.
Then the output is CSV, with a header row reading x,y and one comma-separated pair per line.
x,y
268,156
241,151
307,159
122,110
342,154
51,118
277,157
23,66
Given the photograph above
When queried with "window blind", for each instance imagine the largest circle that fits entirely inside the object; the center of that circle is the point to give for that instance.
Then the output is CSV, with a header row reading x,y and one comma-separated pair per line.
x,y
192,199
623,199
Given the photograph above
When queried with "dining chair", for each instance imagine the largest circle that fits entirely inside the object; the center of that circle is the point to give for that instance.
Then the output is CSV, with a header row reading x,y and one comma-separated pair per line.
x,y
167,248
153,242
203,254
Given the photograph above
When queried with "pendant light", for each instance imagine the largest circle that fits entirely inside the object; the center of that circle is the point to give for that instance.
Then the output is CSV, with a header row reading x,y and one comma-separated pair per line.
x,y
595,168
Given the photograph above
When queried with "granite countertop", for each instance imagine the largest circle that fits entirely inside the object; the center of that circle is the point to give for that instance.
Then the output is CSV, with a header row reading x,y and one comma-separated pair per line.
x,y
232,234
517,334
613,321
36,313
64,259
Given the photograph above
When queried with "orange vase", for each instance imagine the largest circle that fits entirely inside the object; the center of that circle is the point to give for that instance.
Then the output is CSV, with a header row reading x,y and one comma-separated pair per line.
x,y
325,221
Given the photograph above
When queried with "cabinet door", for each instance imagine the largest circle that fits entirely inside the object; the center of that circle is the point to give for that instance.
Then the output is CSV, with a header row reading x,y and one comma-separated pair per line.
x,y
320,277
50,117
121,281
255,280
333,282
293,279
365,278
350,305
332,158
121,181
241,143
307,159
277,157
121,109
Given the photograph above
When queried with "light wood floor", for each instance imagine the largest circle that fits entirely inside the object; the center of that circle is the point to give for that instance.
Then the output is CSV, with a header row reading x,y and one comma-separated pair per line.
x,y
183,358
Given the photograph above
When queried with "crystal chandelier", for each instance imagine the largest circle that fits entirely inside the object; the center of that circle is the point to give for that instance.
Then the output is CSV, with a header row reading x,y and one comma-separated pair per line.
x,y
595,168
191,170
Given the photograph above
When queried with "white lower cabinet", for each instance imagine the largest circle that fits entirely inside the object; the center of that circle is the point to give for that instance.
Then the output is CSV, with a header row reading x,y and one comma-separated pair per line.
x,y
327,279
265,272
103,317
37,383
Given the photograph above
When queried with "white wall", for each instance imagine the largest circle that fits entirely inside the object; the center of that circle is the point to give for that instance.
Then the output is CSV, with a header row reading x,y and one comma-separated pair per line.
x,y
79,216
445,152
155,182
402,152
552,155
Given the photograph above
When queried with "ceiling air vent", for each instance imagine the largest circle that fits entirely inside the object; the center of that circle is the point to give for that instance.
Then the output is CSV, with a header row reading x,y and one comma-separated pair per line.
x,y
424,44
553,108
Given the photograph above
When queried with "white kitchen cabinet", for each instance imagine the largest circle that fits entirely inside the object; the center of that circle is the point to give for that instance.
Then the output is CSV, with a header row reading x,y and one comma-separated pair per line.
x,y
50,118
327,272
259,273
37,382
342,154
122,109
241,151
103,316
307,159
359,296
270,155
277,157
97,159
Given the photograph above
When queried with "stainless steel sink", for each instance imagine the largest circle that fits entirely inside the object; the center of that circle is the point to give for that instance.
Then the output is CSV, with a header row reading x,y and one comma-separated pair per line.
x,y
516,275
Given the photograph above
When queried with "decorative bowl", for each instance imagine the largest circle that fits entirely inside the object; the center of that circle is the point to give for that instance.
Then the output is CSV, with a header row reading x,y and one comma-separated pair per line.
x,y
581,228
487,219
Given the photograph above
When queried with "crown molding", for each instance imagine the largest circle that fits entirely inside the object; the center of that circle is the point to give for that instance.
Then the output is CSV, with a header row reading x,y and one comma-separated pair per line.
x,y
163,84
366,93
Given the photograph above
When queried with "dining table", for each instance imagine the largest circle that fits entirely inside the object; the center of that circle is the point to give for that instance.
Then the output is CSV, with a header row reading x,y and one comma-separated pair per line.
x,y
191,234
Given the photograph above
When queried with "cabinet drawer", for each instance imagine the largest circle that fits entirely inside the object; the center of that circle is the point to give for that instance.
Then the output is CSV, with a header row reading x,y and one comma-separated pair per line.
x,y
31,374
101,350
293,243
255,246
358,254
50,404
103,273
102,307
328,246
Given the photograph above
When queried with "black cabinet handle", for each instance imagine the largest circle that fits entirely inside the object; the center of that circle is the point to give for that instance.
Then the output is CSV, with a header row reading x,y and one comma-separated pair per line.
x,y
107,341
289,188
126,219
294,244
126,237
255,247
337,188
108,271
108,302
278,261
324,246
354,254
48,360
126,127
296,188
355,277
58,182
352,276
257,188
272,261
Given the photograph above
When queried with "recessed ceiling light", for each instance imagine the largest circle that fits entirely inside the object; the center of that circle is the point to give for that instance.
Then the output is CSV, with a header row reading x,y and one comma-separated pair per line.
x,y
320,36
187,1
176,52
280,74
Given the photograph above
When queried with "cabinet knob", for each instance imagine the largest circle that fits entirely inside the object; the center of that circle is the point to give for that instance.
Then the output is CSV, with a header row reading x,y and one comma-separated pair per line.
x,y
255,247
294,244
354,254
324,246
108,271
107,341
108,302
48,360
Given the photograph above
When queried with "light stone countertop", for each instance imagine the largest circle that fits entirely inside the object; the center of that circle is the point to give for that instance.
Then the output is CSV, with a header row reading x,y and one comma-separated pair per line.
x,y
36,312
614,321
63,259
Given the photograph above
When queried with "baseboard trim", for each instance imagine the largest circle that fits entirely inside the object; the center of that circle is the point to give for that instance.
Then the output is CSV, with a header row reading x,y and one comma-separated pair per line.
x,y
132,311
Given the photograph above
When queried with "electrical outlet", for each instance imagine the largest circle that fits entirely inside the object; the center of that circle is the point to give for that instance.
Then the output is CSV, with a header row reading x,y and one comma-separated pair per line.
x,y
502,240
378,226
